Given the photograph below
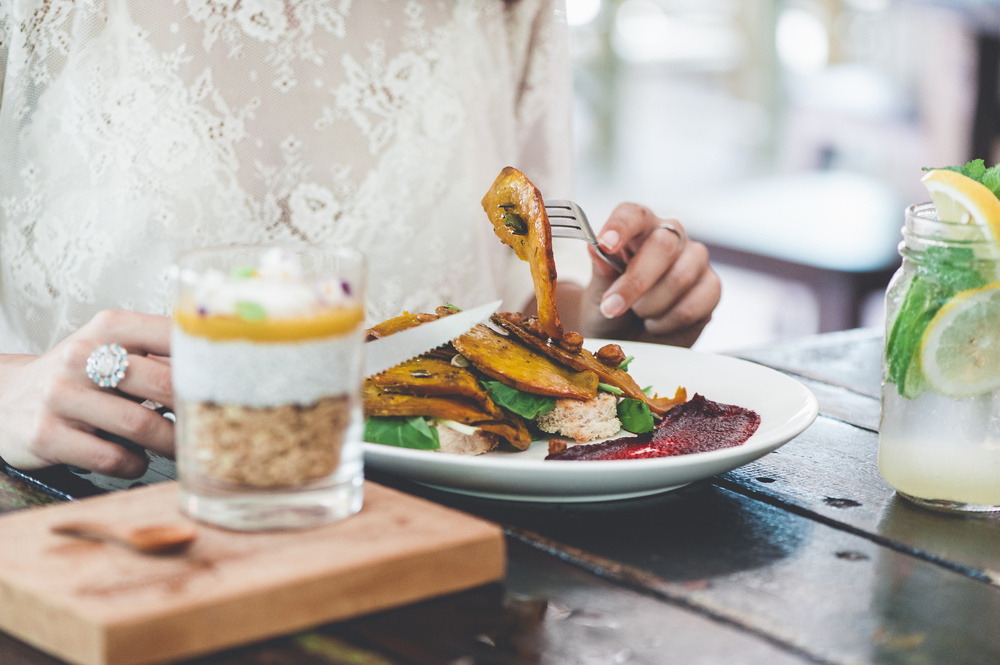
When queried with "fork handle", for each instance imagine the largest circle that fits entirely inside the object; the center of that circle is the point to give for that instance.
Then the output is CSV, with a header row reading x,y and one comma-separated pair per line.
x,y
612,260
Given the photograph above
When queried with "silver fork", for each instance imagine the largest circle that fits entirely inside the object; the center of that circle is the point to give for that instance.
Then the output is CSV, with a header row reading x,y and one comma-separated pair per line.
x,y
569,221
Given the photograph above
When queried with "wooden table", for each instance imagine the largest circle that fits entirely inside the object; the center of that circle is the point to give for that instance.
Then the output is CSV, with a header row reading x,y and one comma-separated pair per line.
x,y
805,556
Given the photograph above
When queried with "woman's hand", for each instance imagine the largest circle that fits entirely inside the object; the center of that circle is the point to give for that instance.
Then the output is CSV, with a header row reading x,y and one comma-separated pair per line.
x,y
51,411
667,292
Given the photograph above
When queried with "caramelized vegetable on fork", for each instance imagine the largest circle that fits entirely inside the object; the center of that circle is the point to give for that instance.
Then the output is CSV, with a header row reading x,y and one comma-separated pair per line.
x,y
516,209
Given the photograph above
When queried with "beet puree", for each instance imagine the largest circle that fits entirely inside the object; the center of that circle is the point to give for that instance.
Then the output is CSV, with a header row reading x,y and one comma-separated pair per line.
x,y
697,426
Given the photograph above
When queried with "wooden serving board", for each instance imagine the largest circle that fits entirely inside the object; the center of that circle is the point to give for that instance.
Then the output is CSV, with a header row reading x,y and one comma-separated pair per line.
x,y
101,604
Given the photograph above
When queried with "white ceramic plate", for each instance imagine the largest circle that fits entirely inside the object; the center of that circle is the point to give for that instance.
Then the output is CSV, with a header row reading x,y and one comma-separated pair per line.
x,y
785,406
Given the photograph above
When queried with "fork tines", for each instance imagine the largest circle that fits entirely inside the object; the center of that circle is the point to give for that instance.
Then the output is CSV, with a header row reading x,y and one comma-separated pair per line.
x,y
569,221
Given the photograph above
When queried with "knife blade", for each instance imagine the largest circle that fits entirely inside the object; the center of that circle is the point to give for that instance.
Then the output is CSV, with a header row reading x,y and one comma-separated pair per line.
x,y
387,352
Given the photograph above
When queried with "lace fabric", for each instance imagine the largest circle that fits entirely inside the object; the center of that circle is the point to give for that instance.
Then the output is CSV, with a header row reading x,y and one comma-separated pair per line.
x,y
132,130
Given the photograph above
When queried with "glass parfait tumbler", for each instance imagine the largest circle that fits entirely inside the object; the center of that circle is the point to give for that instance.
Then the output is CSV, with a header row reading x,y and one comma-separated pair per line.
x,y
266,355
939,437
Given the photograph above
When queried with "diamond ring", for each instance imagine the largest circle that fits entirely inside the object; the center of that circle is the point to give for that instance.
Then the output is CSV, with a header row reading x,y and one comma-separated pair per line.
x,y
106,365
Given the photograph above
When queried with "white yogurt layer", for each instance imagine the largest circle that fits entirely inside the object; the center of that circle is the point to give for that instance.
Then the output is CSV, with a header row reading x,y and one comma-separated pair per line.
x,y
259,374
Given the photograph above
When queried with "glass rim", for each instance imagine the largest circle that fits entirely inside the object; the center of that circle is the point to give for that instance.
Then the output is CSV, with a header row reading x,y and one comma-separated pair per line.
x,y
922,226
926,212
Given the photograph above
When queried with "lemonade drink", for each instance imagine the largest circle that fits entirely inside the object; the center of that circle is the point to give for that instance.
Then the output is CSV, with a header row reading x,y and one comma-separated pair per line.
x,y
266,357
939,438
939,449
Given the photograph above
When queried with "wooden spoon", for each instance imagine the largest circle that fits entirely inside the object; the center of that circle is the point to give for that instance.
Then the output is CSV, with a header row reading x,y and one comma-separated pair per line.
x,y
153,539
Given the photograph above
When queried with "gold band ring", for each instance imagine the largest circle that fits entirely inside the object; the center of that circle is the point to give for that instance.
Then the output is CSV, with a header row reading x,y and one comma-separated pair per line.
x,y
673,229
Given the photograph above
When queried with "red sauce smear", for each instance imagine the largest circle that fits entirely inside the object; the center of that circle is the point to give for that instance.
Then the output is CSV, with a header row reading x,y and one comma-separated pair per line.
x,y
697,426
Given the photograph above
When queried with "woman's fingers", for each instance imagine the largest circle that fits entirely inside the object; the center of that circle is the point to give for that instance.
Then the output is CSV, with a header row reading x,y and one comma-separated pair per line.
x,y
628,222
647,267
675,284
692,310
145,377
683,337
117,415
59,442
140,334
148,378
51,409
668,290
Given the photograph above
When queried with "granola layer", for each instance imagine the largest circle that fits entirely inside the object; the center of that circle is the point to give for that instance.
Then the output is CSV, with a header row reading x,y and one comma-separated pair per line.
x,y
270,446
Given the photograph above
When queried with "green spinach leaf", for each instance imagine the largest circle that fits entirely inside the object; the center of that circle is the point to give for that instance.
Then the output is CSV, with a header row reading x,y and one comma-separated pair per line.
x,y
402,432
522,403
635,416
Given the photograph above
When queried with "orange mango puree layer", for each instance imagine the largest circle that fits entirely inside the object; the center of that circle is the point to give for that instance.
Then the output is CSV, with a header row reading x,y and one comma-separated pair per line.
x,y
326,323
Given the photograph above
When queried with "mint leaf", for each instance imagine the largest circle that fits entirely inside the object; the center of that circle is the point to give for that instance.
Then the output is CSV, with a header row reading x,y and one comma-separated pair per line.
x,y
402,433
522,403
922,301
941,273
635,416
250,311
991,179
243,272
975,169
956,169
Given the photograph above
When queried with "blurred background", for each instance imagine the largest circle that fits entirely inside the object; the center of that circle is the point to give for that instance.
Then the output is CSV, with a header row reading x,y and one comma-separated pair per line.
x,y
787,135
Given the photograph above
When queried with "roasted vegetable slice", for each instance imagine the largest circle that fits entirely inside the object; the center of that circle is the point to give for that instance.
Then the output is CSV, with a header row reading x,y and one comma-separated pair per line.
x,y
508,425
432,377
507,360
512,428
379,403
398,323
583,360
516,209
660,405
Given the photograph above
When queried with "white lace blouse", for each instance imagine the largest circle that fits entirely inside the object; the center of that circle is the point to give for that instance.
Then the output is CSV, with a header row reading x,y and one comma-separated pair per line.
x,y
131,130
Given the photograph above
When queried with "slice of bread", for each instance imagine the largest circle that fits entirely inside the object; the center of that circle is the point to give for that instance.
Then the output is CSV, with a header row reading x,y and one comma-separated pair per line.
x,y
583,420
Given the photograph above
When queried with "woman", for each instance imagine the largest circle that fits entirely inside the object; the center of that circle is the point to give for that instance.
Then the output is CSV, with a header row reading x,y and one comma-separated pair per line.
x,y
133,130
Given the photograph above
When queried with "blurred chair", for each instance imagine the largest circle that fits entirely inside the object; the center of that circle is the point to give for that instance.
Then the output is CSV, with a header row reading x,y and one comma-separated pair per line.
x,y
835,231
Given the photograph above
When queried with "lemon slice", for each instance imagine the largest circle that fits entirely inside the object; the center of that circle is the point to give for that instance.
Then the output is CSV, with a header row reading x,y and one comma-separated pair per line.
x,y
960,349
961,199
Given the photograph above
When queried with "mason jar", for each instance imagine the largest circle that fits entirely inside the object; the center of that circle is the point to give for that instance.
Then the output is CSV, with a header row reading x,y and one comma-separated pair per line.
x,y
939,438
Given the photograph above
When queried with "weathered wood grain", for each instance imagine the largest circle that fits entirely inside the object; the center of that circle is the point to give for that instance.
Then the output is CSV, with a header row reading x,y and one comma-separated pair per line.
x,y
850,359
831,471
845,405
828,594
546,611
